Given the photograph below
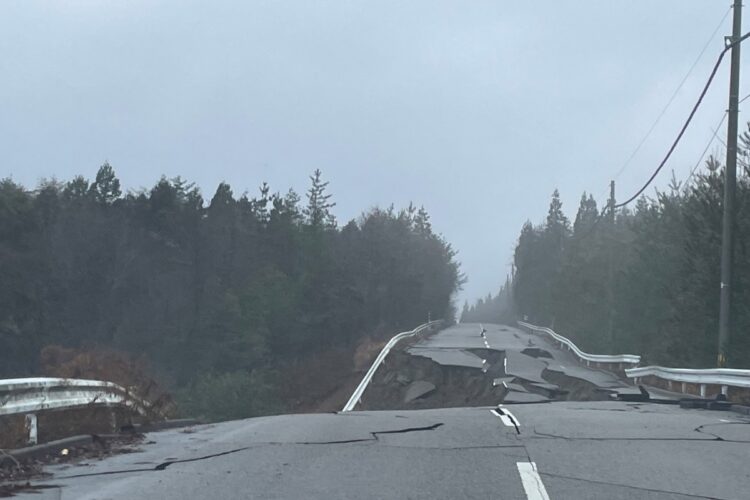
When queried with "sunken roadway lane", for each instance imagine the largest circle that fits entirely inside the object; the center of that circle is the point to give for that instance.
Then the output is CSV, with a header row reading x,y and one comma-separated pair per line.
x,y
483,365
558,434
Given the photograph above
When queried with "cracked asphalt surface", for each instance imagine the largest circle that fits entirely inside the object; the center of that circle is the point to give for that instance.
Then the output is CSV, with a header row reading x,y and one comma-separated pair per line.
x,y
477,365
594,450
570,449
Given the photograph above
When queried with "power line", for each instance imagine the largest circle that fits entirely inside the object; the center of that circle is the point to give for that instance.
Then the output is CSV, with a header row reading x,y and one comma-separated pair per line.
x,y
687,122
703,154
722,141
674,95
714,136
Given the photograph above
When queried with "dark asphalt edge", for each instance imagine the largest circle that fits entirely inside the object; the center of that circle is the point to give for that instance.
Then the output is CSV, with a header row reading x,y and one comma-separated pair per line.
x,y
164,425
10,457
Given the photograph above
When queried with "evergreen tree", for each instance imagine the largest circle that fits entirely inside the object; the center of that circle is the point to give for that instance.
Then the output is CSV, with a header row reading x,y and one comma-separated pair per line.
x,y
210,295
106,188
318,211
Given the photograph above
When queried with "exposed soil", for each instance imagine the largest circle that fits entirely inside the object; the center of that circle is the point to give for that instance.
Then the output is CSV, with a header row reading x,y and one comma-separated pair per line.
x,y
457,386
575,388
325,381
317,381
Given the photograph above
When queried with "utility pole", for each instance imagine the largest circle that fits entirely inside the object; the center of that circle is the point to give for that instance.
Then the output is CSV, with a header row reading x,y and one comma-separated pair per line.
x,y
611,267
730,180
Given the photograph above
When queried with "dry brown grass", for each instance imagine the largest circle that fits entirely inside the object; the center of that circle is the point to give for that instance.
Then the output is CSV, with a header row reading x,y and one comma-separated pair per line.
x,y
109,365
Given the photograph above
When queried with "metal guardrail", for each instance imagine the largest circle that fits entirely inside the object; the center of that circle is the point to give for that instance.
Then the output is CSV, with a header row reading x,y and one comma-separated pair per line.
x,y
727,377
357,394
583,356
731,382
27,396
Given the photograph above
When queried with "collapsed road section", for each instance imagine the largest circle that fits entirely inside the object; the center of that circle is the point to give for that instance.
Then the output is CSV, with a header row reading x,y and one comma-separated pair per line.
x,y
484,365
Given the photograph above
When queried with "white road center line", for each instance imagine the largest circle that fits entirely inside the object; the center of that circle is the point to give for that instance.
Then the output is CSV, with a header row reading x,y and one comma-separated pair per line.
x,y
532,483
507,417
506,420
514,421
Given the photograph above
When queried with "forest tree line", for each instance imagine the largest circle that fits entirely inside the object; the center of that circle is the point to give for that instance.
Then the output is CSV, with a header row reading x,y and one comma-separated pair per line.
x,y
642,280
219,297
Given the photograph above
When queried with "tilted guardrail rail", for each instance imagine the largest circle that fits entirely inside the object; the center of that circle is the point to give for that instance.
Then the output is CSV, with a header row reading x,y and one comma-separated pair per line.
x,y
28,397
617,362
706,383
357,395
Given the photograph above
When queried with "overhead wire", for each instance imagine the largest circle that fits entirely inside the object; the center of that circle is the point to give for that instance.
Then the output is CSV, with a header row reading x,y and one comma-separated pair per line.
x,y
674,95
714,136
687,122
707,85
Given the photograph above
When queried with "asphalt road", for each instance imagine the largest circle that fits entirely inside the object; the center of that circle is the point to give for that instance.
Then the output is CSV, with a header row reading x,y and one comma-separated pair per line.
x,y
476,365
594,450
556,450
449,347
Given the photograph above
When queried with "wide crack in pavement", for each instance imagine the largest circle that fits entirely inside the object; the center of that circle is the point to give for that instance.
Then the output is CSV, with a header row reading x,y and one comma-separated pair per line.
x,y
163,466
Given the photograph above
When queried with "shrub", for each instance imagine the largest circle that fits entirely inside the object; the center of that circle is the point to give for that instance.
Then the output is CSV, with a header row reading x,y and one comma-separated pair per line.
x,y
230,396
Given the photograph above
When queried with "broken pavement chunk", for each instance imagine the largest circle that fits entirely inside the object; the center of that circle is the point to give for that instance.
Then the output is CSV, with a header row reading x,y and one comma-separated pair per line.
x,y
418,389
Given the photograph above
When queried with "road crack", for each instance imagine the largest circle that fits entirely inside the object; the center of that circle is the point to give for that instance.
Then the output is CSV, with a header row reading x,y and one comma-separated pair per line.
x,y
163,466
715,438
629,486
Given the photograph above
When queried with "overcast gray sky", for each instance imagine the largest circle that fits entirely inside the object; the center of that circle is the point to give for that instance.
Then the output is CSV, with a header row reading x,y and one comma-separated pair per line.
x,y
476,109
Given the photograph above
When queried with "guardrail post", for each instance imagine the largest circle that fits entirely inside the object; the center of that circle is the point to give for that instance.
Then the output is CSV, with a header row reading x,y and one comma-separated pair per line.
x,y
703,390
31,427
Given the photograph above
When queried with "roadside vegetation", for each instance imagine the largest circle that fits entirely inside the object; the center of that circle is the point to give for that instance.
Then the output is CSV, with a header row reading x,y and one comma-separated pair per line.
x,y
645,281
231,303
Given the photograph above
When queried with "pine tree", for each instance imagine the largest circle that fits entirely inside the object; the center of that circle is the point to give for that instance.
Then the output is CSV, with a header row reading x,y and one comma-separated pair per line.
x,y
318,211
106,188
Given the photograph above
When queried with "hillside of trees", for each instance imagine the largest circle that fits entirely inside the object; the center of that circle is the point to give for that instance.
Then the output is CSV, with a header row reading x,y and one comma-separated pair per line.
x,y
221,299
643,280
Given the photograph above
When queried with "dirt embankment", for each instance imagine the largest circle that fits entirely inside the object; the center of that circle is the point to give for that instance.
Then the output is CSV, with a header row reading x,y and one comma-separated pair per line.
x,y
453,386
325,381
406,381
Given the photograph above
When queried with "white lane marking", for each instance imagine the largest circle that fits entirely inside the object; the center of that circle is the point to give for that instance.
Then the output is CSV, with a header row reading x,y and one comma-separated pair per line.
x,y
532,483
505,420
506,417
512,418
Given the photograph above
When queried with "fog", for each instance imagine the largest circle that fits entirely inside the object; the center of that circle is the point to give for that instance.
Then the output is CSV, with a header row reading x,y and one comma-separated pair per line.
x,y
477,111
